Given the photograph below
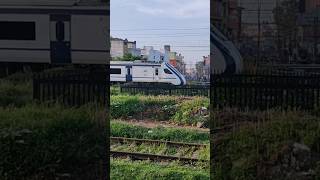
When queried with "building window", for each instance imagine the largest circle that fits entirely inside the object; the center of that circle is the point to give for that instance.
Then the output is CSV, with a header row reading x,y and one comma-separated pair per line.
x,y
115,71
15,30
167,71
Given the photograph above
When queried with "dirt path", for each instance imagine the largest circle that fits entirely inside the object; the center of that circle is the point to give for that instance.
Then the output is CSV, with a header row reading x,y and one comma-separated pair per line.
x,y
153,124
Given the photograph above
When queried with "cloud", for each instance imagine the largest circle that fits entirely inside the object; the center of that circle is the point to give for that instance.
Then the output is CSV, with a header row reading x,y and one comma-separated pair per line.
x,y
174,8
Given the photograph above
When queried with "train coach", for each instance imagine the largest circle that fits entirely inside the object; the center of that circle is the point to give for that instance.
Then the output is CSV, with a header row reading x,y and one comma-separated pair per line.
x,y
54,32
138,72
226,58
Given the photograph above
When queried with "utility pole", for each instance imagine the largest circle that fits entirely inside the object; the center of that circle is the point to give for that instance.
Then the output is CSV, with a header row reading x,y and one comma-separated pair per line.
x,y
259,32
315,34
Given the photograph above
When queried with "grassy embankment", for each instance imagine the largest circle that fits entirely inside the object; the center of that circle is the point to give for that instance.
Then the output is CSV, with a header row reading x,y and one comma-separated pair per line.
x,y
41,141
254,149
175,109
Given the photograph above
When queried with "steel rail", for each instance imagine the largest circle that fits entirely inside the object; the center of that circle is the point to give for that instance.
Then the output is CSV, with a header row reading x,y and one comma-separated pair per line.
x,y
154,157
169,143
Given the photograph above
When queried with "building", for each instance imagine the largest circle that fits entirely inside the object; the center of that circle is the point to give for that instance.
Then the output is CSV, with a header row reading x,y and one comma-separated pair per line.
x,y
120,47
117,47
167,48
225,15
145,51
173,58
203,69
156,56
181,66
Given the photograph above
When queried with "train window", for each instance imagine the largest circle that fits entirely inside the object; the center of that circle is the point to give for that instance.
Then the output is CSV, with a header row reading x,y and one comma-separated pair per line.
x,y
15,30
167,71
115,71
60,31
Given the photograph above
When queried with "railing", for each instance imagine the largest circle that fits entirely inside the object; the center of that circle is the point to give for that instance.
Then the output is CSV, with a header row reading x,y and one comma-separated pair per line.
x,y
266,90
71,88
163,89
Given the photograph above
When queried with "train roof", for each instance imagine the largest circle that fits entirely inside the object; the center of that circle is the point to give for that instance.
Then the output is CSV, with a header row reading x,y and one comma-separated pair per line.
x,y
52,2
134,63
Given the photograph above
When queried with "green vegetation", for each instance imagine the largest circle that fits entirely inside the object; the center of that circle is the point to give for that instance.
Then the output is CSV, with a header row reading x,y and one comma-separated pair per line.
x,y
37,141
175,109
129,170
163,149
244,153
182,110
127,57
115,90
189,111
119,129
15,90
41,141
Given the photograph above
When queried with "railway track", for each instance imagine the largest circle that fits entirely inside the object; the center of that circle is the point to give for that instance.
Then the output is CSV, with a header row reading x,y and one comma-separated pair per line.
x,y
154,157
149,141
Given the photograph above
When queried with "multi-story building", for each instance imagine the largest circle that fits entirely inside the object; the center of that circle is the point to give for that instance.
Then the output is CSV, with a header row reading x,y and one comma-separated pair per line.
x,y
203,69
120,47
181,66
117,47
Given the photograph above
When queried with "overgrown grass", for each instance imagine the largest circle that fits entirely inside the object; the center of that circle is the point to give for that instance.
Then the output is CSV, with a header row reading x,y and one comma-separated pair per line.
x,y
115,90
182,110
190,111
163,149
129,170
244,151
119,129
39,142
16,90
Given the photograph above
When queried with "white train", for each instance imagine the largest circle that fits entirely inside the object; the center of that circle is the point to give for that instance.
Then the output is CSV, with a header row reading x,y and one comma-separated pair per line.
x,y
137,72
54,31
225,57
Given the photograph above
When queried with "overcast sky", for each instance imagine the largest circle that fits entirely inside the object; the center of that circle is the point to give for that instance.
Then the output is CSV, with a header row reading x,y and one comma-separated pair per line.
x,y
183,24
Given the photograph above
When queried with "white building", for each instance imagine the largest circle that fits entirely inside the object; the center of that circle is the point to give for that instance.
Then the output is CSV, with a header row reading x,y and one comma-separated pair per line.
x,y
155,56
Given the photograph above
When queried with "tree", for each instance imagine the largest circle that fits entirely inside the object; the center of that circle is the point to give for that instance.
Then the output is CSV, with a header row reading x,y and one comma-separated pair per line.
x,y
127,57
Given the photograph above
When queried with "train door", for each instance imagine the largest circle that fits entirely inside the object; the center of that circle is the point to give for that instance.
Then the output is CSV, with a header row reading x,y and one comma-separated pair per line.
x,y
129,73
156,74
60,38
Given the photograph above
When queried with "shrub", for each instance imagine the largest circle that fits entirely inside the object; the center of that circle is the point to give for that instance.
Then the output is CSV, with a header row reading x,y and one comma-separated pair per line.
x,y
190,111
16,94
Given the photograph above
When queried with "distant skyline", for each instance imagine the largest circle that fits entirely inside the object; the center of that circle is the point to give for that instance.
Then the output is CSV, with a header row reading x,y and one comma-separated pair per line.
x,y
183,24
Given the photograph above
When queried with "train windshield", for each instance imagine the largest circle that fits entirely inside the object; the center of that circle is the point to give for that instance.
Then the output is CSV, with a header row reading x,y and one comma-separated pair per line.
x,y
167,71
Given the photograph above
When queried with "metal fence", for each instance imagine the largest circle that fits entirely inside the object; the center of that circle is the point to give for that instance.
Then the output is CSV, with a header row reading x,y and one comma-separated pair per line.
x,y
156,89
70,87
266,90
